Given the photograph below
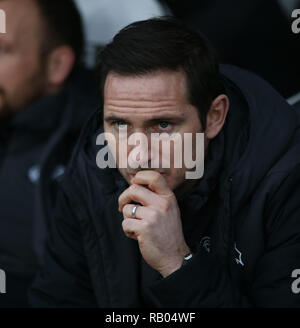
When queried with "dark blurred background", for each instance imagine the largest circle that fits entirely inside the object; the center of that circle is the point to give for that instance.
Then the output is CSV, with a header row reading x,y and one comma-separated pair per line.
x,y
253,34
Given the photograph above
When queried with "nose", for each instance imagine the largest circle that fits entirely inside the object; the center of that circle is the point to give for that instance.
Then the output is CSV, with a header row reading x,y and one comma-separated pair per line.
x,y
140,155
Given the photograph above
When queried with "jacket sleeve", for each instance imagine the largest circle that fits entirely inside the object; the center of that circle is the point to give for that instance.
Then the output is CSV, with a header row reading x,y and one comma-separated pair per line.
x,y
63,281
205,282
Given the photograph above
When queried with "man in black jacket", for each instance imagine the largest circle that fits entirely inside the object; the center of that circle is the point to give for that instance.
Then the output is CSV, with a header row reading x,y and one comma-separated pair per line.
x,y
143,235
45,95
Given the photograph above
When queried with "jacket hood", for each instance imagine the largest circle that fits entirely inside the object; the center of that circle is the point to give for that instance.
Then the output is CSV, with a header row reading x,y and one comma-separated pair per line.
x,y
259,129
273,127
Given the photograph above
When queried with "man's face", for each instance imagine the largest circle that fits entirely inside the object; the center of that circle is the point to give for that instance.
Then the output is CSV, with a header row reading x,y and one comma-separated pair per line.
x,y
153,103
21,72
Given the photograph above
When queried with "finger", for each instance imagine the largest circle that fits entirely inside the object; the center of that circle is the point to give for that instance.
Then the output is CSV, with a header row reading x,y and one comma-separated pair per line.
x,y
154,180
141,212
131,228
127,211
139,194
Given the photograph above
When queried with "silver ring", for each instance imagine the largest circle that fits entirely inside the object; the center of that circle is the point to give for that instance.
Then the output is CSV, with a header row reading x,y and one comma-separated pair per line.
x,y
133,211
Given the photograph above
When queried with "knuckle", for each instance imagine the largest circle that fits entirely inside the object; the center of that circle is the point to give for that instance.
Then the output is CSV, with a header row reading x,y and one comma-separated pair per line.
x,y
148,225
153,217
156,178
133,188
125,209
165,205
124,224
120,198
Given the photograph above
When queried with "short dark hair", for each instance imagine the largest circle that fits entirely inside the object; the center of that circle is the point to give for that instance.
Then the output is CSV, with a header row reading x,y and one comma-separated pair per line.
x,y
63,26
165,44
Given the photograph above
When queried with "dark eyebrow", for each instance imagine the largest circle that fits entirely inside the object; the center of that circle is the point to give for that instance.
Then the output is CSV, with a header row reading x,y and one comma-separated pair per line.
x,y
171,119
113,118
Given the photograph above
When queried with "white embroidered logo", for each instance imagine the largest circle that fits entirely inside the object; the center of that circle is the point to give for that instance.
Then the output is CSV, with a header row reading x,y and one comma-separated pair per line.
x,y
205,243
239,259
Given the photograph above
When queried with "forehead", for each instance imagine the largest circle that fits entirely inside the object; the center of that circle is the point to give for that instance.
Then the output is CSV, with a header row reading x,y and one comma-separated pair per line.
x,y
155,86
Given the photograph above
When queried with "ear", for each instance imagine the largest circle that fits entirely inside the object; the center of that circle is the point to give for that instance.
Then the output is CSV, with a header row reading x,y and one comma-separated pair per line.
x,y
216,116
59,65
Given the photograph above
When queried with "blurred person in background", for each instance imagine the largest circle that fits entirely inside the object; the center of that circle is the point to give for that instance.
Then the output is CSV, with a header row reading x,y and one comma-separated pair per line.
x,y
45,96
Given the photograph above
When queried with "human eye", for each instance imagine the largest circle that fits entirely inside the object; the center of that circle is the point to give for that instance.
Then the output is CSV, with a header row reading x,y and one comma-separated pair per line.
x,y
164,126
120,125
